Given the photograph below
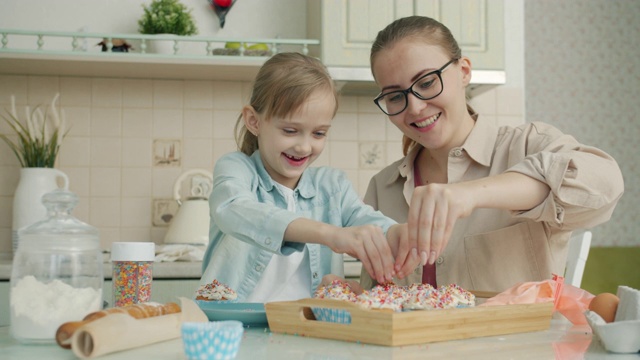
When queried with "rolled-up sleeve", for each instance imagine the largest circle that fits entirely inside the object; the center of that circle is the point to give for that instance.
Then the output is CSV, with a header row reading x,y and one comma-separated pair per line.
x,y
586,183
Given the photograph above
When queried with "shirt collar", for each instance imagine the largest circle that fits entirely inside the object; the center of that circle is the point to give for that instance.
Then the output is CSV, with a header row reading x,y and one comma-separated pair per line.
x,y
479,145
405,168
481,141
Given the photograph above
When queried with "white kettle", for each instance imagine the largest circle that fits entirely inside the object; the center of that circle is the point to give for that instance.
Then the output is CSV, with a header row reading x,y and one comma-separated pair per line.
x,y
190,225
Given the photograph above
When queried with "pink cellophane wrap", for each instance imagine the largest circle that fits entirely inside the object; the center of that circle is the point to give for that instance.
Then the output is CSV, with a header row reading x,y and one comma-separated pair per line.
x,y
569,300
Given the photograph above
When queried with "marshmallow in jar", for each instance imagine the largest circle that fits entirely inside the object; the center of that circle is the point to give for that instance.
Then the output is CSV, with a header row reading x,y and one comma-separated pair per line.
x,y
132,272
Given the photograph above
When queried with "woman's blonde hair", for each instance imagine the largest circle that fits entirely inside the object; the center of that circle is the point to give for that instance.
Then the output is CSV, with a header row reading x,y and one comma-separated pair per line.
x,y
428,30
283,84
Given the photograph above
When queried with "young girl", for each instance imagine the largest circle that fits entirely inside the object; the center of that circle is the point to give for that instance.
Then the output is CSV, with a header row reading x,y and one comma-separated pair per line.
x,y
487,206
277,225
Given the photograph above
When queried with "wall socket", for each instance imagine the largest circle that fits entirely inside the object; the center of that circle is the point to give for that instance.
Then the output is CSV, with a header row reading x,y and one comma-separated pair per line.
x,y
163,211
200,186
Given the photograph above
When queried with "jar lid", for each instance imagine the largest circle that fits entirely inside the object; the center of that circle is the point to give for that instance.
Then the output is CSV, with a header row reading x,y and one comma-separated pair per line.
x,y
133,251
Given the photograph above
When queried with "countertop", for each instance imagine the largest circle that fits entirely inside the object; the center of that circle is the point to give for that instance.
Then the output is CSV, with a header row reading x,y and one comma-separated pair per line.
x,y
561,341
161,270
177,269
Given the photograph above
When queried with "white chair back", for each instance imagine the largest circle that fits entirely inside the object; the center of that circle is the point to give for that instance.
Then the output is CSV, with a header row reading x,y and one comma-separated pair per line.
x,y
579,245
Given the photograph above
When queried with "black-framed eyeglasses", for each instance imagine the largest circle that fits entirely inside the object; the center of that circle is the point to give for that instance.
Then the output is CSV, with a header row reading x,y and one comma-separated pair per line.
x,y
426,87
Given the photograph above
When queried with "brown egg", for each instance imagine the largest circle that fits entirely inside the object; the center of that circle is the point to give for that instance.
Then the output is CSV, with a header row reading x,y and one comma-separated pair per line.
x,y
605,305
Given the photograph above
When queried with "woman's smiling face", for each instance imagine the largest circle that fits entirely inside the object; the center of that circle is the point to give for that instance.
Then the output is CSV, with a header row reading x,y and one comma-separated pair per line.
x,y
433,123
289,145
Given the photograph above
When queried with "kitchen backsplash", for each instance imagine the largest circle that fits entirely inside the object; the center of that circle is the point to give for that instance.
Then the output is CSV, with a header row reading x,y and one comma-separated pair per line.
x,y
131,139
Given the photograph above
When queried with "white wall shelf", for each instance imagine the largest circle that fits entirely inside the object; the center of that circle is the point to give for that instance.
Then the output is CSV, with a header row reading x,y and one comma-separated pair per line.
x,y
25,52
66,54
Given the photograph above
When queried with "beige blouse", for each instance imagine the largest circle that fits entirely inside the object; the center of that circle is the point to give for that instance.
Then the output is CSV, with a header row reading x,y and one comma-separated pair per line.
x,y
492,249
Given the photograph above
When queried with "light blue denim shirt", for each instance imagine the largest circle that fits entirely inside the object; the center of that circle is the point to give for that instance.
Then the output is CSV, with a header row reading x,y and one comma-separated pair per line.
x,y
249,218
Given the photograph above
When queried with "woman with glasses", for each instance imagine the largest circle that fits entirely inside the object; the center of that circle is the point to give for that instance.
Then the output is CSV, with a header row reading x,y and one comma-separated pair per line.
x,y
487,206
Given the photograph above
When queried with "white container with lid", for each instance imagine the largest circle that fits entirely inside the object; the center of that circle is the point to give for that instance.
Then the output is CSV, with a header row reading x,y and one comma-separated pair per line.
x,y
132,264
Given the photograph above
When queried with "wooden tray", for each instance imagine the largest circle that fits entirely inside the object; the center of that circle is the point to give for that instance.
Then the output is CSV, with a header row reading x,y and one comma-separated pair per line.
x,y
406,328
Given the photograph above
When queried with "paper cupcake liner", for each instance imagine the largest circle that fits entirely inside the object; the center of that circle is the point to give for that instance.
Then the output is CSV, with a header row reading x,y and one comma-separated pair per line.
x,y
212,340
332,315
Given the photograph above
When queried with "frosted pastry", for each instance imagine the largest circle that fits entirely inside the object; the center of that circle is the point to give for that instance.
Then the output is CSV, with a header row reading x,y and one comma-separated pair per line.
x,y
336,290
215,291
453,296
421,297
415,297
383,297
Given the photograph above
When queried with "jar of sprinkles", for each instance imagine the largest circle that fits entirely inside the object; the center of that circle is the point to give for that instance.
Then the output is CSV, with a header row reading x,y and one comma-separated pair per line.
x,y
132,264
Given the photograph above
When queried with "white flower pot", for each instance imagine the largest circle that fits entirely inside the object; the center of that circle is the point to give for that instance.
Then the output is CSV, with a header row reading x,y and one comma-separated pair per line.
x,y
165,47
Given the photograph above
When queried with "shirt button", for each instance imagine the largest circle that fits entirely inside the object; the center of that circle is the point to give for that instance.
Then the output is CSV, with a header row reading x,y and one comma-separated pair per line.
x,y
440,260
457,152
258,267
315,275
268,241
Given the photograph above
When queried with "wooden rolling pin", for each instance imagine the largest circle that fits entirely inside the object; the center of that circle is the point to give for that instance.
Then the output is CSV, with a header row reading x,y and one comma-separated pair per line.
x,y
138,311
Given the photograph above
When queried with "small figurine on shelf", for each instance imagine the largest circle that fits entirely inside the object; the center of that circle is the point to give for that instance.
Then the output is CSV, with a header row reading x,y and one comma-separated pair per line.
x,y
117,45
221,7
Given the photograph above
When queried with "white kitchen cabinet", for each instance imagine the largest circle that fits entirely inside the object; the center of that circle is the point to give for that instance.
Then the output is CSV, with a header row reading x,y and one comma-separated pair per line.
x,y
347,28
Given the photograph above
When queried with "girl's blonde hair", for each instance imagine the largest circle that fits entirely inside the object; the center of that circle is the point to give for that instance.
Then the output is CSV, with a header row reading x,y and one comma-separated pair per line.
x,y
428,30
283,84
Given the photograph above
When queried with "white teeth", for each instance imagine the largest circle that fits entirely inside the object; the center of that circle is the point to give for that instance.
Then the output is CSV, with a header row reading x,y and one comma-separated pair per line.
x,y
427,122
295,157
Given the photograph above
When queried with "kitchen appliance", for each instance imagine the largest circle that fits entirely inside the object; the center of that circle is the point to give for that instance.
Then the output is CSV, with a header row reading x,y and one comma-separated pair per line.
x,y
190,225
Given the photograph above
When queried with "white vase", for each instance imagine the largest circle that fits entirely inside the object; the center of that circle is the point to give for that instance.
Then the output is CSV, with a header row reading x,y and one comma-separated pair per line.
x,y
27,200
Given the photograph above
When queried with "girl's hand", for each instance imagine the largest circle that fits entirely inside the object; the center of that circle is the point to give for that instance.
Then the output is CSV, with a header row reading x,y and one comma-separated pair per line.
x,y
433,212
368,244
407,258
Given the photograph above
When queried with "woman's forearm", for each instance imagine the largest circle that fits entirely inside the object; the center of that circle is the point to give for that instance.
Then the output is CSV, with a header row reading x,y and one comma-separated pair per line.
x,y
509,191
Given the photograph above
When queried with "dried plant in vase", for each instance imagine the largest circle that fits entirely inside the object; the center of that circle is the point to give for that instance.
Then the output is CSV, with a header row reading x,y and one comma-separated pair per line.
x,y
39,136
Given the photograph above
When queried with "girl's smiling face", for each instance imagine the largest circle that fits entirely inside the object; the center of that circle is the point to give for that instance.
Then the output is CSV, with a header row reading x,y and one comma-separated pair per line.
x,y
438,123
289,145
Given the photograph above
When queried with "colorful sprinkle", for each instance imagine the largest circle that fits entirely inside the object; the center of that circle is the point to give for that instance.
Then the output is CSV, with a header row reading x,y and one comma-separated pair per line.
x,y
398,298
216,291
132,282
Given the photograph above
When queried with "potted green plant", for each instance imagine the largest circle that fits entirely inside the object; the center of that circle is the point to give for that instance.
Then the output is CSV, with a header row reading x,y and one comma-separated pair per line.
x,y
167,17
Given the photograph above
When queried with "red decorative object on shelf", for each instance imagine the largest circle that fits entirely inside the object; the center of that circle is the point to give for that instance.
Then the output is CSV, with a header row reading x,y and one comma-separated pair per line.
x,y
221,7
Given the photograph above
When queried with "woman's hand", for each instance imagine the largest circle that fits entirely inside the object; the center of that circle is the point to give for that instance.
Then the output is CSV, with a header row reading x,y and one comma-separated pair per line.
x,y
433,212
435,208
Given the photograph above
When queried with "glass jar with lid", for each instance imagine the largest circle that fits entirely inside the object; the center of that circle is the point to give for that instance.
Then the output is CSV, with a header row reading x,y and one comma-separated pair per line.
x,y
57,272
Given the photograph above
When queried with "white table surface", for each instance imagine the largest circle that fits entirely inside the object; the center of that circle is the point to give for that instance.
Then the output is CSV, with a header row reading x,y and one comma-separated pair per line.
x,y
561,341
